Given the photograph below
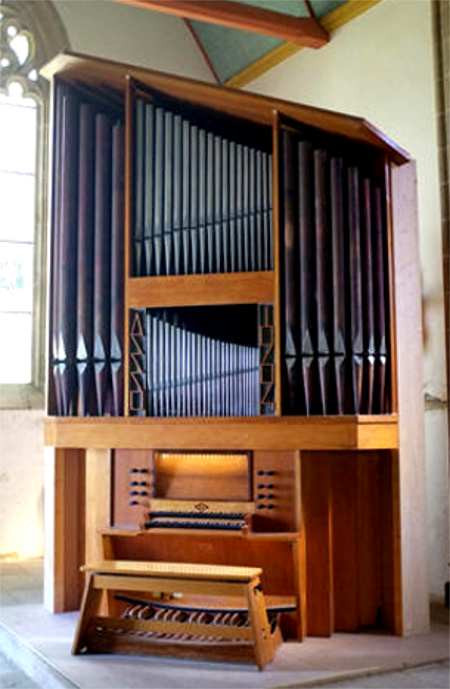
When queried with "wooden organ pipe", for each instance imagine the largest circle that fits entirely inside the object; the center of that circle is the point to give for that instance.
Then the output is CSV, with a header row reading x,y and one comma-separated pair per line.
x,y
87,274
335,311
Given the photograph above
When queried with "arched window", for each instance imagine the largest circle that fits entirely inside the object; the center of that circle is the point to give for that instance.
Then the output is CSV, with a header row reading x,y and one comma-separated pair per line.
x,y
31,33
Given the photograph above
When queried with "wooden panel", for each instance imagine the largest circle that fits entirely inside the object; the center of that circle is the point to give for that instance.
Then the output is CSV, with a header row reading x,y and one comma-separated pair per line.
x,y
128,624
241,104
411,493
173,570
120,643
345,551
316,498
201,290
202,476
371,538
65,529
129,506
257,433
392,337
305,31
392,609
98,511
276,491
275,554
276,224
128,209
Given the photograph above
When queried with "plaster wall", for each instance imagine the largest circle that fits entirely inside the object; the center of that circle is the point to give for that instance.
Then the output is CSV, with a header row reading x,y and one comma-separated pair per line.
x,y
22,483
380,67
132,35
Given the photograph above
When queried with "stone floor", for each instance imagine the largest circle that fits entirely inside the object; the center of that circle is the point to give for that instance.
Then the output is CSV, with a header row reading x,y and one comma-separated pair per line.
x,y
12,677
39,644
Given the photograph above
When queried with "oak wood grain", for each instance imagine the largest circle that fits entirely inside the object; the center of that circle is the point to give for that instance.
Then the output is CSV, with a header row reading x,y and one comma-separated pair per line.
x,y
201,290
231,433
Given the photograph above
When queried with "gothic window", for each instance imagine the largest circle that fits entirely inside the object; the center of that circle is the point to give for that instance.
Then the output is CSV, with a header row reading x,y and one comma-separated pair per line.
x,y
23,183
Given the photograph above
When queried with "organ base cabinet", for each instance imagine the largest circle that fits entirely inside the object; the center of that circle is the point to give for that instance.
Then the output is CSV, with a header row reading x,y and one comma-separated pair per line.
x,y
234,347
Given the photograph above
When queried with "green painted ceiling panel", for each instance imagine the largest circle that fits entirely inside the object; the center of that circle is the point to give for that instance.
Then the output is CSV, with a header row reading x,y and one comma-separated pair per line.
x,y
296,8
232,50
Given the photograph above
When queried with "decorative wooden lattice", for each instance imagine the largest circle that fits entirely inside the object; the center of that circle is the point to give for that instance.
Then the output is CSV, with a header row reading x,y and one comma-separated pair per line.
x,y
267,360
137,364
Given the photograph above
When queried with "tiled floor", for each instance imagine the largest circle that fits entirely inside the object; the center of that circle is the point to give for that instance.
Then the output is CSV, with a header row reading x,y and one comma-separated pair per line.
x,y
40,644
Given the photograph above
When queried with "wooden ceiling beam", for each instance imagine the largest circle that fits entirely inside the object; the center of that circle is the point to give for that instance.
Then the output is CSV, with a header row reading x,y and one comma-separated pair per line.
x,y
307,32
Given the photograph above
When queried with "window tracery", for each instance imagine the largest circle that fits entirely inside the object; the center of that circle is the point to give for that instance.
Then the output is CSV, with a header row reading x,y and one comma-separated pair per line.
x,y
30,34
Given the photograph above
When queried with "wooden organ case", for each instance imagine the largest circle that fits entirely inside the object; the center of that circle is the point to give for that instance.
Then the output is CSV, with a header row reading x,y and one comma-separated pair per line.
x,y
234,345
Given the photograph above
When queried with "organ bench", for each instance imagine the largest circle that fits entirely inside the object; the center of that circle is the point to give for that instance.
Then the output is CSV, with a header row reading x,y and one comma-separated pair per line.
x,y
211,634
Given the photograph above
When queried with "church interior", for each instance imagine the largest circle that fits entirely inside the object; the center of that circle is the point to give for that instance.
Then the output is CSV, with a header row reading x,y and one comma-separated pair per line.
x,y
224,361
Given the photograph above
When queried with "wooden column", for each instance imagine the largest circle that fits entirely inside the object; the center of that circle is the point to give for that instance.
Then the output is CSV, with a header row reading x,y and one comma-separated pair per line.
x,y
411,470
316,505
64,528
98,505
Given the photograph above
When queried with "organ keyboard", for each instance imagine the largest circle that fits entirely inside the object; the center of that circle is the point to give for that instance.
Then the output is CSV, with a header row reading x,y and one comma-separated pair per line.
x,y
199,514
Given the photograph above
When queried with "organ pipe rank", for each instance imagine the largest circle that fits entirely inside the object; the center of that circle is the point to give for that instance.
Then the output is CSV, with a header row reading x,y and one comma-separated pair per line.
x,y
202,202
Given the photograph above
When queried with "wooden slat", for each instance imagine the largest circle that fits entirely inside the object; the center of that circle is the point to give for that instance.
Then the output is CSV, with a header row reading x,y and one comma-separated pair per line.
x,y
201,290
111,642
246,105
299,30
345,553
316,498
371,538
249,536
258,433
276,225
300,580
392,341
174,569
391,565
98,509
128,209
65,528
191,628
112,582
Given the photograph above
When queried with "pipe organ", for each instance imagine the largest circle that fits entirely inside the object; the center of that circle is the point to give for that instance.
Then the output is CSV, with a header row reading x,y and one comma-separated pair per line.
x,y
228,302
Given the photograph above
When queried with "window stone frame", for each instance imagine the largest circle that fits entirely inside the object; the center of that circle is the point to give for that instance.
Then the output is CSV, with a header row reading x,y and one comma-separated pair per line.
x,y
40,22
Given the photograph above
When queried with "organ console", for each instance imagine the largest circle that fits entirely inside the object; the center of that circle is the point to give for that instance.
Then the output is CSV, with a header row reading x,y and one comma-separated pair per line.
x,y
226,277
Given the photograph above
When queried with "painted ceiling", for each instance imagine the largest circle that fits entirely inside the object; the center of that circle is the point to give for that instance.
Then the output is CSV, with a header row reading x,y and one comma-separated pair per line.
x,y
231,50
